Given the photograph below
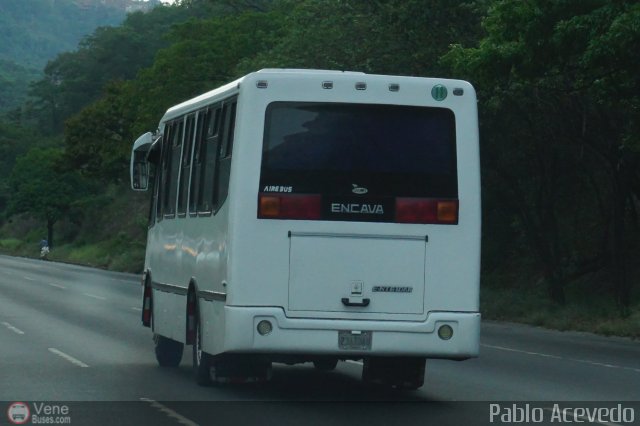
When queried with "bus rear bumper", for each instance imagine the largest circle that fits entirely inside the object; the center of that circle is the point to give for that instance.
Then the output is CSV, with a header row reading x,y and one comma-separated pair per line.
x,y
320,336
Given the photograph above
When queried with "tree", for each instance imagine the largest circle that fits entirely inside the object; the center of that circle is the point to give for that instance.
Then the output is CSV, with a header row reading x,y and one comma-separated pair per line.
x,y
388,37
77,78
41,189
98,139
559,117
14,142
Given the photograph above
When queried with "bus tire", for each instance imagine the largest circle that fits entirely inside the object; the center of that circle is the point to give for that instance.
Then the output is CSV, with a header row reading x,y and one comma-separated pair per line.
x,y
202,361
325,364
168,351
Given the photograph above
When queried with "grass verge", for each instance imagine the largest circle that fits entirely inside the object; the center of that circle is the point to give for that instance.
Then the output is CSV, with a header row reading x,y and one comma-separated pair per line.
x,y
594,314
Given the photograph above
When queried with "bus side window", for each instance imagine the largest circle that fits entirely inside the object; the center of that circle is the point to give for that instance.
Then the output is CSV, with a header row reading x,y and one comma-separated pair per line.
x,y
202,119
173,160
229,113
185,171
211,146
155,165
163,172
224,166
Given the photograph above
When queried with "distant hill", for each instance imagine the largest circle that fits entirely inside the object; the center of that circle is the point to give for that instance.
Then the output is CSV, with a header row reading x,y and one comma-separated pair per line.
x,y
33,32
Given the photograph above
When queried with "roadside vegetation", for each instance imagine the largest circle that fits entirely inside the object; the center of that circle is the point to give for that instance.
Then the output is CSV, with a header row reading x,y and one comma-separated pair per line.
x,y
559,112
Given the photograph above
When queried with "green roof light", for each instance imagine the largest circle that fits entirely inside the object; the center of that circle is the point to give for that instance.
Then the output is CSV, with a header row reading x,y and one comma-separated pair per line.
x,y
439,92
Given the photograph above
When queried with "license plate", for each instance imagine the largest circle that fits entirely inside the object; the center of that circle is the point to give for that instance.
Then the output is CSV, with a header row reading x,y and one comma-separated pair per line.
x,y
360,341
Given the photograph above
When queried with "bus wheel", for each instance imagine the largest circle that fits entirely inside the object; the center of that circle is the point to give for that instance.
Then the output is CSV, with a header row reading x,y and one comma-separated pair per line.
x,y
201,360
325,364
168,352
406,373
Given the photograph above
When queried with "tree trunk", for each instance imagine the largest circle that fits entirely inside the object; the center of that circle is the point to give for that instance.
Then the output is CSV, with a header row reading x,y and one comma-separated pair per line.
x,y
50,223
618,247
556,290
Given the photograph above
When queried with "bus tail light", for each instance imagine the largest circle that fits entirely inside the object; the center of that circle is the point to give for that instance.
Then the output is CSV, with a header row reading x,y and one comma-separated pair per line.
x,y
289,206
425,210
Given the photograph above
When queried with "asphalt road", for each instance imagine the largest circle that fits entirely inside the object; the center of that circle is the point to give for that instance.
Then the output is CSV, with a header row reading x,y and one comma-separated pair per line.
x,y
71,336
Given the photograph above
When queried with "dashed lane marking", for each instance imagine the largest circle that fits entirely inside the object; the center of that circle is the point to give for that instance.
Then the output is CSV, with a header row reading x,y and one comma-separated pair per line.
x,y
12,328
56,285
169,412
583,361
68,357
94,296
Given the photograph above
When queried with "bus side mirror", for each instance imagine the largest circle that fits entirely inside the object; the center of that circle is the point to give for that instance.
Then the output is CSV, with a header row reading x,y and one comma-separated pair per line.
x,y
140,172
139,169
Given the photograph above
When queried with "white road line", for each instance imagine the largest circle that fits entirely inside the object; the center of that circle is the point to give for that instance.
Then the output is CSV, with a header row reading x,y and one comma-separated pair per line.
x,y
502,348
169,412
29,278
12,328
584,361
69,358
94,296
136,309
350,361
56,285
600,364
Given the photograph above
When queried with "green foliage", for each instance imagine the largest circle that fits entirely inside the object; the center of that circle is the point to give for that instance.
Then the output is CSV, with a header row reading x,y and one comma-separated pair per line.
x,y
10,244
74,79
14,83
44,20
559,107
393,37
12,144
588,310
202,56
31,36
558,115
98,139
41,189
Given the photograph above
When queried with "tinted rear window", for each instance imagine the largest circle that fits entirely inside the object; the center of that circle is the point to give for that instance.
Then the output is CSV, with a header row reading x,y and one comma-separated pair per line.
x,y
332,149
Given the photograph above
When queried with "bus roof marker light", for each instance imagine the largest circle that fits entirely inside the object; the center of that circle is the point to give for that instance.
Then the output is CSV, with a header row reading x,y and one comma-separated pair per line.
x,y
327,84
394,87
262,84
361,86
458,91
439,92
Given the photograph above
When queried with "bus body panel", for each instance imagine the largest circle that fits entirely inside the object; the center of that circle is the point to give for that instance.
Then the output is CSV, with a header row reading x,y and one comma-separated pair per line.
x,y
313,336
265,268
448,286
326,269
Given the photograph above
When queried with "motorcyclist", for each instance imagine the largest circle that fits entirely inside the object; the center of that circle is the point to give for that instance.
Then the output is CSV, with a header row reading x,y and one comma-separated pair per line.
x,y
44,248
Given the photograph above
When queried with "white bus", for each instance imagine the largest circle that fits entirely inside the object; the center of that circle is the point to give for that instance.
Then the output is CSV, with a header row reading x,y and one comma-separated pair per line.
x,y
314,216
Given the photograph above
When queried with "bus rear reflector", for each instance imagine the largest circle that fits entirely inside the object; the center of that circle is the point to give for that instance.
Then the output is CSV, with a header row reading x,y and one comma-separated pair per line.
x,y
289,206
424,210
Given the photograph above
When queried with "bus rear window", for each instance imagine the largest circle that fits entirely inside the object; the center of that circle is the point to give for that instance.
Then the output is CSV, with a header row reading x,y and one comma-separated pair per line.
x,y
372,152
